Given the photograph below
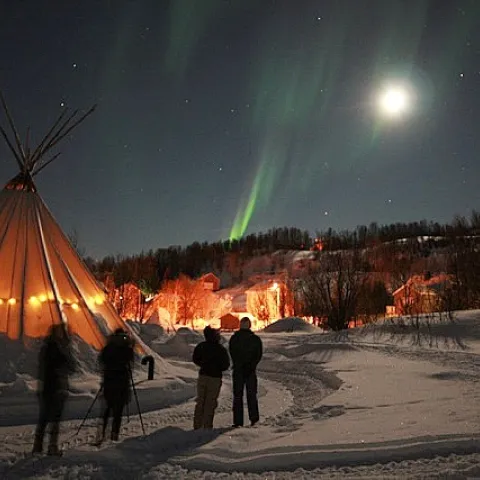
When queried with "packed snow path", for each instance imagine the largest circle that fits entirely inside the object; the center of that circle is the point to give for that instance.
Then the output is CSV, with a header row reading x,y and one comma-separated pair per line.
x,y
352,407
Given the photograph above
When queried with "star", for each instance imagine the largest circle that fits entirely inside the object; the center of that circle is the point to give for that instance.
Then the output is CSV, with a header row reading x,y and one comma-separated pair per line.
x,y
325,213
461,75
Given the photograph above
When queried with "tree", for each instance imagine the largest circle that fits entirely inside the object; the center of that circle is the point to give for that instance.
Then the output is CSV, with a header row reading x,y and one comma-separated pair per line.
x,y
168,299
260,306
285,298
475,222
331,290
184,299
373,299
464,266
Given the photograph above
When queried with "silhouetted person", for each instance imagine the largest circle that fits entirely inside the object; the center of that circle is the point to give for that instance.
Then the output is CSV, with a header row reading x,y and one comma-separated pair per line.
x,y
212,358
246,352
116,358
55,365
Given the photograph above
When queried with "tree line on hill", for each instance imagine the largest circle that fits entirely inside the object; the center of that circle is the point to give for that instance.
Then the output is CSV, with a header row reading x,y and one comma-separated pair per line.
x,y
150,269
392,252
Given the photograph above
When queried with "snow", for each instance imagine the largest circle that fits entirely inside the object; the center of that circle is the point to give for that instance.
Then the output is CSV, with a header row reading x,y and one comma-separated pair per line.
x,y
290,324
180,345
382,401
20,360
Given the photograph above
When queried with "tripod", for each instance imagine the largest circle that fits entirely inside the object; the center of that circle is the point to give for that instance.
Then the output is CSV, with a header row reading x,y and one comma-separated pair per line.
x,y
89,410
98,394
136,399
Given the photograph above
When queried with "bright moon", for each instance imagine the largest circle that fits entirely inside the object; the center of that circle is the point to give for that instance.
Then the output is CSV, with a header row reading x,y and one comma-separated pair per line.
x,y
394,101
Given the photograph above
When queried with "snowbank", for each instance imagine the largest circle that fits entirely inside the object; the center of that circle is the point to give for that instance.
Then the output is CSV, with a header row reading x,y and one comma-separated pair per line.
x,y
180,345
433,332
290,324
150,332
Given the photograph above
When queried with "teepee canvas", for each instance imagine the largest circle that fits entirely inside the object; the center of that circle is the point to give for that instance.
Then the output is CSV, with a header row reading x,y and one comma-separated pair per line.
x,y
43,281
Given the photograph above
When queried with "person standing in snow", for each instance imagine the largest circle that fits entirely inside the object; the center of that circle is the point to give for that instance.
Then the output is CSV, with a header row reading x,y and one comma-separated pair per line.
x,y
116,359
212,358
55,365
246,351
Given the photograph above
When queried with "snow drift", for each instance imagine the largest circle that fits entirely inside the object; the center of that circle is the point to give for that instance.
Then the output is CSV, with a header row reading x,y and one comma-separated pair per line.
x,y
290,324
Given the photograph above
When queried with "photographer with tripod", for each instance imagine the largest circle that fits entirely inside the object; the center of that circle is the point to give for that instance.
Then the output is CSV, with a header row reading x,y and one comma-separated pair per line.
x,y
116,360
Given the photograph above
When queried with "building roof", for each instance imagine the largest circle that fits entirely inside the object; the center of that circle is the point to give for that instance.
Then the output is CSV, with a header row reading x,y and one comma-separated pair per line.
x,y
426,286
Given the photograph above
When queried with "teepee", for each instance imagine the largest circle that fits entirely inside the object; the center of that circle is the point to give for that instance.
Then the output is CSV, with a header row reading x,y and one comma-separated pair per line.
x,y
43,281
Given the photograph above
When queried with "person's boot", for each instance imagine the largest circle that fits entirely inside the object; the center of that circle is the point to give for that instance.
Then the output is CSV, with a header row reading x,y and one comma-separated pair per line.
x,y
37,445
53,450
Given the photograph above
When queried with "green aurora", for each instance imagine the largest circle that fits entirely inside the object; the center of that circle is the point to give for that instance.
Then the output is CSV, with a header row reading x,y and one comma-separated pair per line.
x,y
296,85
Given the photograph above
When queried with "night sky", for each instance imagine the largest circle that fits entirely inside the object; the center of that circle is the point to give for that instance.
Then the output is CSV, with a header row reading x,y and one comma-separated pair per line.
x,y
217,118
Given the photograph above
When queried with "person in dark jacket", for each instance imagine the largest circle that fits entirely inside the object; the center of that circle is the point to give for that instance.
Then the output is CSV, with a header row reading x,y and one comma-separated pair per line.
x,y
212,358
246,352
116,359
55,365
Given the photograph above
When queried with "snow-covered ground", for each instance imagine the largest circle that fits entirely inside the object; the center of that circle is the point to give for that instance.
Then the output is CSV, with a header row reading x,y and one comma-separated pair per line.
x,y
377,402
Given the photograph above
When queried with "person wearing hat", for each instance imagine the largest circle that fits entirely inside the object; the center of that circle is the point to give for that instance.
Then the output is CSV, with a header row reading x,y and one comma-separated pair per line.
x,y
246,351
213,360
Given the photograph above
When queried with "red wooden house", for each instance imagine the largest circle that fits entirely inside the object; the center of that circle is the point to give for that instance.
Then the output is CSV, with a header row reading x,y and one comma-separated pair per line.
x,y
210,282
421,294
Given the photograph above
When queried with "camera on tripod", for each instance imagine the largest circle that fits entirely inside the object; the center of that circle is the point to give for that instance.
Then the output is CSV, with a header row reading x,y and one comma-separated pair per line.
x,y
117,358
